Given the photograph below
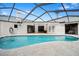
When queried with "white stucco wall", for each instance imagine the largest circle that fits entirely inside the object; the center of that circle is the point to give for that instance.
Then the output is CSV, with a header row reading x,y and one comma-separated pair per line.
x,y
59,28
22,29
4,29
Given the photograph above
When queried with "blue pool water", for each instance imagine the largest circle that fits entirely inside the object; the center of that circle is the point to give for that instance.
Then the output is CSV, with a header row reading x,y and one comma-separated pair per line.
x,y
19,41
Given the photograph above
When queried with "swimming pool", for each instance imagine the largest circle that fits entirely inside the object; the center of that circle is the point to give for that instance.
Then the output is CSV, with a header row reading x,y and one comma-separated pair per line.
x,y
19,41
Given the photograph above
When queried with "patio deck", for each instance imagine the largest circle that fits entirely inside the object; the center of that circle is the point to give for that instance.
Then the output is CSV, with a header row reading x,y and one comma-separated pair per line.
x,y
56,48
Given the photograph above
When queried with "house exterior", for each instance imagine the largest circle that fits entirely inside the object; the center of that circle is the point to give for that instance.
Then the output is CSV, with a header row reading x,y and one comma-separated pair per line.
x,y
14,27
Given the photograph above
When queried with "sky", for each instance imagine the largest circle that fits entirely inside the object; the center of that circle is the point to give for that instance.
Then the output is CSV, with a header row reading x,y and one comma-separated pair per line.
x,y
29,6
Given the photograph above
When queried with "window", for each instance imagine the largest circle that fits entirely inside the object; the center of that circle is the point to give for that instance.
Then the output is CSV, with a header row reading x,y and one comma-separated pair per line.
x,y
49,28
15,26
53,28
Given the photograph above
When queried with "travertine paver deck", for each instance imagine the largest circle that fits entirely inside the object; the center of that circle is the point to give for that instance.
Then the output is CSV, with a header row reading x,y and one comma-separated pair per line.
x,y
45,49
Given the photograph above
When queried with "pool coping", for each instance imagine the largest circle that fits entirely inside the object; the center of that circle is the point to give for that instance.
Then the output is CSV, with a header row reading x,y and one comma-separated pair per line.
x,y
77,36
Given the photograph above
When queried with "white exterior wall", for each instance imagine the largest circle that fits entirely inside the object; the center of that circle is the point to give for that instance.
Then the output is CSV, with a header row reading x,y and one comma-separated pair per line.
x,y
4,29
22,30
59,28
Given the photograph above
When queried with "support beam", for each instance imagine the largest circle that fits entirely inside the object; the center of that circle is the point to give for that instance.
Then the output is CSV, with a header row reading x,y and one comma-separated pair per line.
x,y
42,9
45,11
1,4
18,10
30,13
26,12
74,10
57,14
11,11
41,4
54,19
39,16
65,11
5,7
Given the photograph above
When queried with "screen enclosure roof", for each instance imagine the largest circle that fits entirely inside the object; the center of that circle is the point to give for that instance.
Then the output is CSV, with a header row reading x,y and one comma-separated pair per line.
x,y
44,12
